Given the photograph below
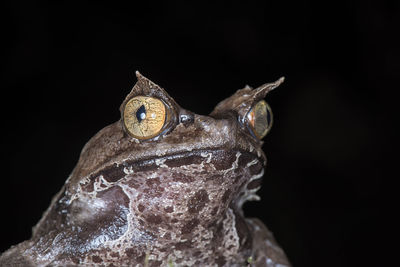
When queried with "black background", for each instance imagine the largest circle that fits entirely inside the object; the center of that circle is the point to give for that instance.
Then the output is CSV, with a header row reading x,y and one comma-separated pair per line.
x,y
67,67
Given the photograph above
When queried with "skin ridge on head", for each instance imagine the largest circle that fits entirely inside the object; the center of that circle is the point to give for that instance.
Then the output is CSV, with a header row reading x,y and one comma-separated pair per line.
x,y
221,133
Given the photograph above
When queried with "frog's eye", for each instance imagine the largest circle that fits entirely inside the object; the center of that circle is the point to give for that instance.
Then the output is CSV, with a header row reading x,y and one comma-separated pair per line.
x,y
259,119
144,117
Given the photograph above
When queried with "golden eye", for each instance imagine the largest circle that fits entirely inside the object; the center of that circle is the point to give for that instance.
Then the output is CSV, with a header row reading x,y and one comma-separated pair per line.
x,y
144,117
260,119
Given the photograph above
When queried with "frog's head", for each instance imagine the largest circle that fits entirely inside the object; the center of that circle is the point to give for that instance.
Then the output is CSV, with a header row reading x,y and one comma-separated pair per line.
x,y
162,170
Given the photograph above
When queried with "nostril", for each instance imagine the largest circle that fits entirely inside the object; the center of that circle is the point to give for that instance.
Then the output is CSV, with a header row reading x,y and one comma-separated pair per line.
x,y
186,118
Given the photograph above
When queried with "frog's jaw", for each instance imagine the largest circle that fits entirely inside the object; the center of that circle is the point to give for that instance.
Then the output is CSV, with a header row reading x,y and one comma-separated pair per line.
x,y
163,203
174,189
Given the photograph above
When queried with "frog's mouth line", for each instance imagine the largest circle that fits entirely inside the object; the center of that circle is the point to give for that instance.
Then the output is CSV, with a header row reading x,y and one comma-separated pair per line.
x,y
221,158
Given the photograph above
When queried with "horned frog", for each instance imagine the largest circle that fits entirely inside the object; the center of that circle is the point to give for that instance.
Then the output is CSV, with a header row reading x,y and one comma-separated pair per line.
x,y
162,187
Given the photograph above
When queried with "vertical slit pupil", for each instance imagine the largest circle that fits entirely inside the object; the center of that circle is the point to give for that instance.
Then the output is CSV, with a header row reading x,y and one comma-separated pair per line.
x,y
268,117
141,113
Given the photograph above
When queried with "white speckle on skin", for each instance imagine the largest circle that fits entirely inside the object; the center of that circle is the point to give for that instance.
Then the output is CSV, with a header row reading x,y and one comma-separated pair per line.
x,y
251,163
152,175
251,148
99,240
234,164
250,195
85,181
160,162
207,155
98,182
128,170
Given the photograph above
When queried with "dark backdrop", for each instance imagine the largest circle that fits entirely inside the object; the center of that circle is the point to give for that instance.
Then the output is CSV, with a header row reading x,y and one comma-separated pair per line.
x,y
67,67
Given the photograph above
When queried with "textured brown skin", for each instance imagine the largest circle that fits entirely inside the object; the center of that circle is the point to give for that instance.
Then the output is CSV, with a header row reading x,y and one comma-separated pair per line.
x,y
173,199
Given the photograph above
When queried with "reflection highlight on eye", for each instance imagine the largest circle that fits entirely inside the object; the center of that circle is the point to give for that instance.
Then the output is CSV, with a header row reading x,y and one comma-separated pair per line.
x,y
260,119
144,117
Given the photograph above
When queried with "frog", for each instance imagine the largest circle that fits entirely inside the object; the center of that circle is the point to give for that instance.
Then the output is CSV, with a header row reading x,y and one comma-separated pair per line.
x,y
162,186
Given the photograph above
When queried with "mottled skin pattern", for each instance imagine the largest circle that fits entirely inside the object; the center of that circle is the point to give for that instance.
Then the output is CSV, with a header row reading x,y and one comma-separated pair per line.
x,y
173,200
